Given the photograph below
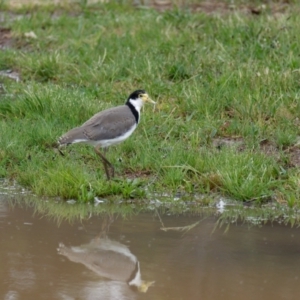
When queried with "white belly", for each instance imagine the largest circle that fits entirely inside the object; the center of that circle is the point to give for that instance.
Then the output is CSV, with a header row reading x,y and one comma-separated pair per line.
x,y
115,141
107,143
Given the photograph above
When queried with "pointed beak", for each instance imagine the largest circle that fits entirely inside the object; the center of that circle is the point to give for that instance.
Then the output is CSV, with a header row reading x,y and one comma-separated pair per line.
x,y
146,98
145,285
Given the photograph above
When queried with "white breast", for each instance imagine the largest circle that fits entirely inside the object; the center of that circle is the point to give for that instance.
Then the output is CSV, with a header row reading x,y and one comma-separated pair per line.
x,y
117,140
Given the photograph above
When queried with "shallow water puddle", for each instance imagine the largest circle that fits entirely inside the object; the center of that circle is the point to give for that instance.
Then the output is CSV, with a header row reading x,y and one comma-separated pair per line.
x,y
98,257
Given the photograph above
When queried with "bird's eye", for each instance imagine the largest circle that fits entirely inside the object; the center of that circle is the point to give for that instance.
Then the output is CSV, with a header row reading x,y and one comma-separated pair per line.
x,y
140,95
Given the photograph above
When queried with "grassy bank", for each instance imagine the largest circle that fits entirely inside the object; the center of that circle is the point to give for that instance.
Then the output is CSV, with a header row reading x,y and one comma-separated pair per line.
x,y
227,87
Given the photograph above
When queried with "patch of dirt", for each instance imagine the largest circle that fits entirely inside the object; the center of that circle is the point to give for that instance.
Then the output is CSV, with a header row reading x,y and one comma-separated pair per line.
x,y
204,6
294,153
220,7
216,6
20,3
132,174
10,74
266,146
269,149
221,142
6,39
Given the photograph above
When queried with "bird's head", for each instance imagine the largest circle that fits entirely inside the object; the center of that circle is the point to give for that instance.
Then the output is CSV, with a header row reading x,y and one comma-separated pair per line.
x,y
143,287
138,98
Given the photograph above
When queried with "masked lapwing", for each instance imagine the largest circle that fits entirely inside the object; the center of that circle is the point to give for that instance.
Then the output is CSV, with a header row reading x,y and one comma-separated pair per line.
x,y
108,259
109,127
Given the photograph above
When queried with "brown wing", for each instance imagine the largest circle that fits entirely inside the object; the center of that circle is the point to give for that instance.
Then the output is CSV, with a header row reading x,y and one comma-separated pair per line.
x,y
109,123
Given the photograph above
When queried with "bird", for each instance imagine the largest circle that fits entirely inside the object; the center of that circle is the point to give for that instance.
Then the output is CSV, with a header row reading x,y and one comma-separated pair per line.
x,y
109,127
109,259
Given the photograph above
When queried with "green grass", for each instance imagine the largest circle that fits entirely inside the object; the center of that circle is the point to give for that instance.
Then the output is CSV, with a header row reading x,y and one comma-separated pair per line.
x,y
214,76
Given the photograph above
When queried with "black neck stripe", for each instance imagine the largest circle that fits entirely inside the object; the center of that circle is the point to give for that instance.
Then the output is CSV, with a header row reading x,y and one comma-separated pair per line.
x,y
134,272
134,111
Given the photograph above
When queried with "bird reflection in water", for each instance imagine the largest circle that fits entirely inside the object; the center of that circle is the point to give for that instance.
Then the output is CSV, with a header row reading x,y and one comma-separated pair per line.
x,y
108,259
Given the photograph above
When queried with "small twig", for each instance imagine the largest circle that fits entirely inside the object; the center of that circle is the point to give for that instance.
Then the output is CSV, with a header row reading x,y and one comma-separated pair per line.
x,y
181,228
160,219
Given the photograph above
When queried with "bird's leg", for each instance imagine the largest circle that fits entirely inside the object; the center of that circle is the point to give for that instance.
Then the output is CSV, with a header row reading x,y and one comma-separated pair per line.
x,y
110,165
105,163
108,220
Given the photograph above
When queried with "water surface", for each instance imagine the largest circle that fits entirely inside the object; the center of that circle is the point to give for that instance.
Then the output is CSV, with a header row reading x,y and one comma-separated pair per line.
x,y
97,258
